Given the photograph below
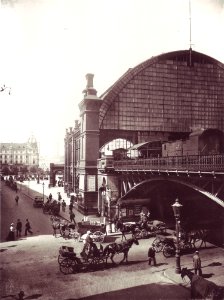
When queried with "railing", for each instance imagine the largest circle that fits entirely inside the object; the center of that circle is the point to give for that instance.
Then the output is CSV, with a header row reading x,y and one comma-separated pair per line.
x,y
175,163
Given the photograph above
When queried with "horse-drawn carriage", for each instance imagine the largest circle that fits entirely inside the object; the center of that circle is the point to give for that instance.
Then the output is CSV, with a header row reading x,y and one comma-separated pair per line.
x,y
141,229
93,258
69,262
188,240
98,230
51,208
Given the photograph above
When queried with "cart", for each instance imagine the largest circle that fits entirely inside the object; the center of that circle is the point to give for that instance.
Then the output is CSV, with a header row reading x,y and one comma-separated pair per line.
x,y
150,229
98,230
70,263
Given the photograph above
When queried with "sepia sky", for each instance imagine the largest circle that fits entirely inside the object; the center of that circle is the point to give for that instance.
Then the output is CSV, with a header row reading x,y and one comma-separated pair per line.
x,y
48,46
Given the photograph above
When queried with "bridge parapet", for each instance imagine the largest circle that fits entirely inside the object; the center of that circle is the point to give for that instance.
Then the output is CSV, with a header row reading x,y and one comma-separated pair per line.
x,y
193,163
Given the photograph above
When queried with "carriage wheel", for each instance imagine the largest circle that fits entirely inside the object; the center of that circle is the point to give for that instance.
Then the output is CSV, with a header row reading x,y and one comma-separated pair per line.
x,y
144,233
66,266
102,262
197,243
137,234
93,263
60,258
98,236
168,250
187,246
158,244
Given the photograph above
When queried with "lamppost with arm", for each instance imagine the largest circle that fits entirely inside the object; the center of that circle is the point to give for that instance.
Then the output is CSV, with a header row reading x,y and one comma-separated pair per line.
x,y
176,210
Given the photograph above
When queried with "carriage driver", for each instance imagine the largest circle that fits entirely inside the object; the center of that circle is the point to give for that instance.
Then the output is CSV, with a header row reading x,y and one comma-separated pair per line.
x,y
87,241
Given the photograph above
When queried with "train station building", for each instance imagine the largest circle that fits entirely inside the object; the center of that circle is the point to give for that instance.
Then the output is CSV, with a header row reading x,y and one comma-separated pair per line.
x,y
150,112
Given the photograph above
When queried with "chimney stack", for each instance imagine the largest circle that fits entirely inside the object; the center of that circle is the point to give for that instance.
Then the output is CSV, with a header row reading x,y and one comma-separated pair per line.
x,y
89,86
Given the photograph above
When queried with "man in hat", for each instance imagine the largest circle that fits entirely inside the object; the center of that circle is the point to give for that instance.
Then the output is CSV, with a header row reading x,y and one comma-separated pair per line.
x,y
197,263
18,228
87,240
152,255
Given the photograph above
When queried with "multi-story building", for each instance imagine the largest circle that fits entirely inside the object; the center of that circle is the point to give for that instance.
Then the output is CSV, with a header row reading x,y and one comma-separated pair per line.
x,y
165,98
18,157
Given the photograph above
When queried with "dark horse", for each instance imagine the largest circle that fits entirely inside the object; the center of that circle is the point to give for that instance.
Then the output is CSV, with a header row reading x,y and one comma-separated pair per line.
x,y
202,288
122,247
125,228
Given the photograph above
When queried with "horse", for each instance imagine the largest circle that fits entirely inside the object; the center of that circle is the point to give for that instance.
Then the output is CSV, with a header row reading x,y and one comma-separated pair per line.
x,y
125,228
201,287
115,248
58,224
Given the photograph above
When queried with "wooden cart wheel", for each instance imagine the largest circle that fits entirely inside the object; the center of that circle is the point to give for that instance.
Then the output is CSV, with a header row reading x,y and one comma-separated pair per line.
x,y
66,266
98,236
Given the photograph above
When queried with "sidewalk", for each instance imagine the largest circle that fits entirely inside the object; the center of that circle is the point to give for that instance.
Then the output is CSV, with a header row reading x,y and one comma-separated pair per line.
x,y
212,266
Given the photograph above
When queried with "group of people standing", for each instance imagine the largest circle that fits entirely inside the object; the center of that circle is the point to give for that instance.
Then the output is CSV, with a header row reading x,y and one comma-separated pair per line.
x,y
16,231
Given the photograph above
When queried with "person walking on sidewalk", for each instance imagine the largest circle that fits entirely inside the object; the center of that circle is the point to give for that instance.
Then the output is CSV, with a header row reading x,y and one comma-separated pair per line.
x,y
70,206
18,228
17,199
72,217
152,255
63,205
59,196
28,227
50,197
197,263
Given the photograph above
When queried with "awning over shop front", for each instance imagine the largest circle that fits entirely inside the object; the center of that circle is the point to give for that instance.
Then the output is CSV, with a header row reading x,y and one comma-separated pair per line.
x,y
135,201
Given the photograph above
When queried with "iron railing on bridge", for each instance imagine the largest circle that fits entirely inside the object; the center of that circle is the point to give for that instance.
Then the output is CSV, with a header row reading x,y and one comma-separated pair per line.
x,y
180,163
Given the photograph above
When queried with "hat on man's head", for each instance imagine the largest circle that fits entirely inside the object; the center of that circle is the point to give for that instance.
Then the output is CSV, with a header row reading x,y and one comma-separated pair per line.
x,y
196,252
12,224
88,232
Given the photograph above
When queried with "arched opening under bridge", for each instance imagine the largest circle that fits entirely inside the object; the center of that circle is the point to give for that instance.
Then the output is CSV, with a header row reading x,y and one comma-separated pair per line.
x,y
200,208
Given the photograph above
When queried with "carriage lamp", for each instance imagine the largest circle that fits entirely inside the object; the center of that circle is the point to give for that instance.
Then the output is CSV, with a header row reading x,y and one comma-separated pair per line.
x,y
43,192
176,210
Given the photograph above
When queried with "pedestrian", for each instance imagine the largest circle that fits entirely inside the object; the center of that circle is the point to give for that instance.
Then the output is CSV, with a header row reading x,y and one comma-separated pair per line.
x,y
63,205
70,207
152,255
50,197
197,264
17,199
11,235
27,227
59,196
18,228
72,217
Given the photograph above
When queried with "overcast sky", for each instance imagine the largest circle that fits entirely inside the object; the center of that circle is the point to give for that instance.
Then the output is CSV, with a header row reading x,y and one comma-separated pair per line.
x,y
48,46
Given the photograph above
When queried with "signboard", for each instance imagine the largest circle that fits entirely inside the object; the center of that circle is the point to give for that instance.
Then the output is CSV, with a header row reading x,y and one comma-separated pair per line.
x,y
91,183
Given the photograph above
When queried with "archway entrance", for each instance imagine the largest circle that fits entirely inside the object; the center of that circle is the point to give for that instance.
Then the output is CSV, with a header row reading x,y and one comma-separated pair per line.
x,y
54,170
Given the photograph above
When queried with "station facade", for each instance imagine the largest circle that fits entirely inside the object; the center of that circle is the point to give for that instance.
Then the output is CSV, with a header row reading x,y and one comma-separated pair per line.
x,y
165,98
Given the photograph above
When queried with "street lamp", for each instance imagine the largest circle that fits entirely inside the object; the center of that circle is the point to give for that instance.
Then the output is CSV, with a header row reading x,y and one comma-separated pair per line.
x,y
43,191
108,197
176,210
